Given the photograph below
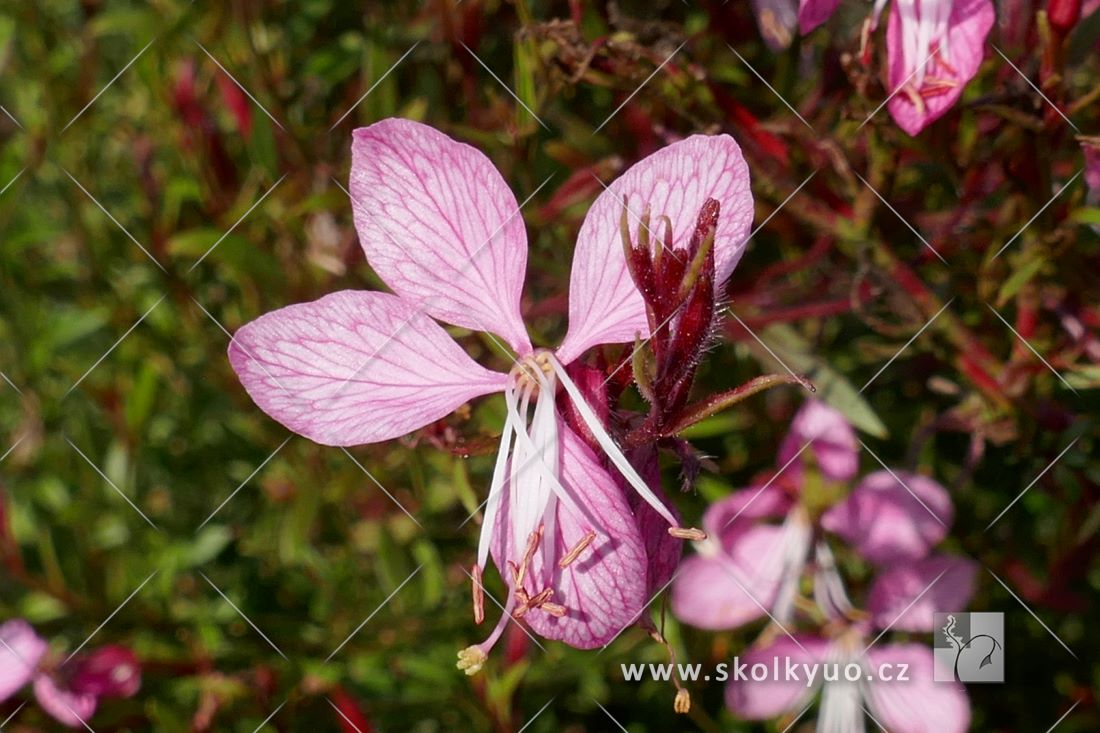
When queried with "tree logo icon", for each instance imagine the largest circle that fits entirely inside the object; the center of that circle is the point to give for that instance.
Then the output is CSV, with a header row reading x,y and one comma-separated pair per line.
x,y
969,647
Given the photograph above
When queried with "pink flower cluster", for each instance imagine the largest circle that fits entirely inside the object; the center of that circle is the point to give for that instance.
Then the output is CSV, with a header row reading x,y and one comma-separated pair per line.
x,y
70,690
765,541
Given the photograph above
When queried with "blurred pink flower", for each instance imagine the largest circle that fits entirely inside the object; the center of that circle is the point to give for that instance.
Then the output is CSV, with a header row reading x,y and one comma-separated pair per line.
x,y
820,432
916,705
812,13
892,516
776,20
933,48
441,229
749,566
69,693
907,595
903,598
759,539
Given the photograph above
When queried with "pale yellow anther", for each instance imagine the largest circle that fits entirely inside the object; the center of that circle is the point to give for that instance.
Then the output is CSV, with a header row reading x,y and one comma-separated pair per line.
x,y
571,556
682,703
687,533
526,371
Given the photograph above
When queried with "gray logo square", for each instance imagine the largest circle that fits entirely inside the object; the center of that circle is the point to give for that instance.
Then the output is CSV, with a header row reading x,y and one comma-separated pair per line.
x,y
969,647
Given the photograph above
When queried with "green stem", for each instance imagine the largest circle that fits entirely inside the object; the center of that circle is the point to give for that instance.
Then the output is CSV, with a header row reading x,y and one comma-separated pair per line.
x,y
714,404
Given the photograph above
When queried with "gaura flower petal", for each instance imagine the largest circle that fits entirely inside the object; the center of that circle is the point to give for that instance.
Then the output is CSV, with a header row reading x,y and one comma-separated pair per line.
x,y
440,226
734,514
604,589
892,517
812,13
20,652
716,593
832,441
66,707
741,567
604,304
918,102
355,367
774,696
920,705
905,598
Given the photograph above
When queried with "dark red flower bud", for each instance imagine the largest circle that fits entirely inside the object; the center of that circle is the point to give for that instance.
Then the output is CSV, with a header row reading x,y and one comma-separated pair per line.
x,y
110,671
1063,14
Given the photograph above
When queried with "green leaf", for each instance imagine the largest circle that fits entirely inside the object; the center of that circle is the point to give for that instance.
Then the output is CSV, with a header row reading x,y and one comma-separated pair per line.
x,y
832,387
1018,279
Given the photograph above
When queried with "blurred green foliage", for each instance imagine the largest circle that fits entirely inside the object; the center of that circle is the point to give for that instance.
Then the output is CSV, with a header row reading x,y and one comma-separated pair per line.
x,y
151,207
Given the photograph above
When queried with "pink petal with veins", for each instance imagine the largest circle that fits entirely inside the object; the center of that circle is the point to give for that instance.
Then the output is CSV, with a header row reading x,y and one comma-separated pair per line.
x,y
605,307
355,367
892,517
905,597
968,26
440,226
20,652
919,705
604,589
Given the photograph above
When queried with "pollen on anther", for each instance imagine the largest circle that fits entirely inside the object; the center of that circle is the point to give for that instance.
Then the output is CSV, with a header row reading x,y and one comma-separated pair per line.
x,y
687,533
554,609
571,556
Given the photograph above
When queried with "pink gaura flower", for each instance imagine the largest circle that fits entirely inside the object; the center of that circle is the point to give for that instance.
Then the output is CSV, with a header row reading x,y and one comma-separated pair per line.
x,y
68,692
892,516
933,49
441,228
917,705
759,539
895,682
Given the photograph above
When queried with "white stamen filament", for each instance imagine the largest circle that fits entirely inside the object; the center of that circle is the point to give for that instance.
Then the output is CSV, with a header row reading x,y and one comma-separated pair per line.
x,y
841,708
925,26
496,488
608,444
531,460
528,492
829,593
841,700
796,538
